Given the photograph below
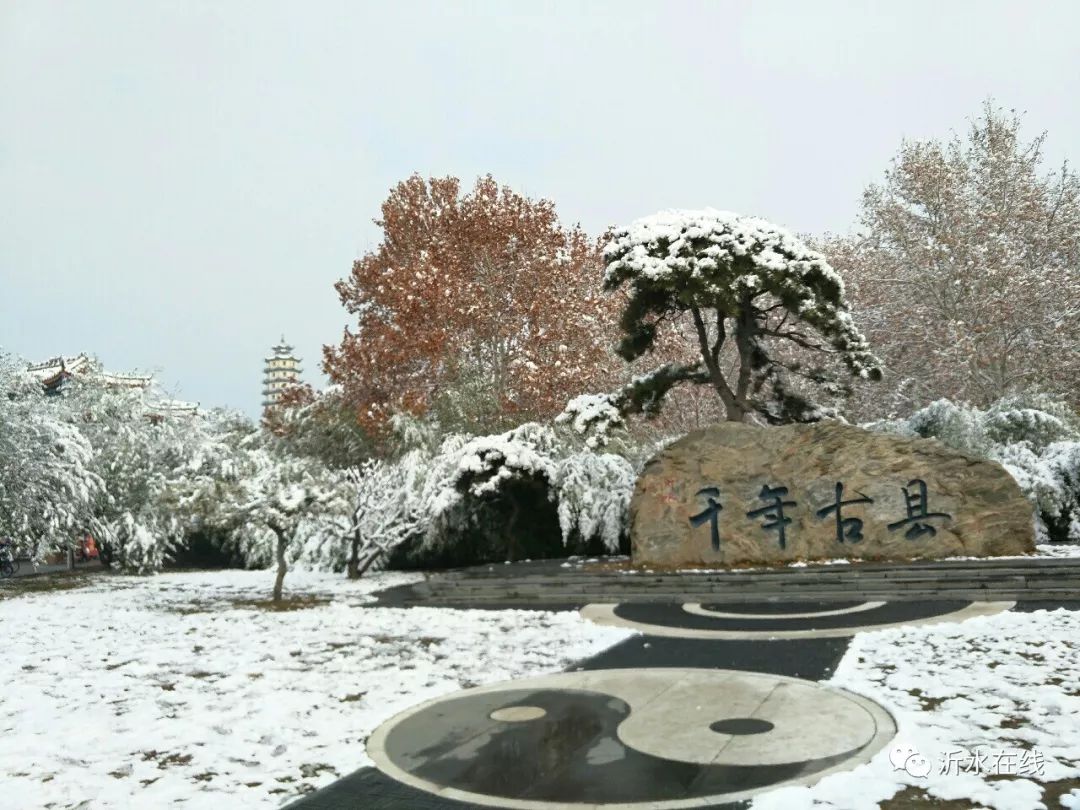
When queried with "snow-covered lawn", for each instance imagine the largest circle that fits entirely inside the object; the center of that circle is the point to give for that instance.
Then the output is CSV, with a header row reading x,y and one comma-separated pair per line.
x,y
182,690
177,691
1004,683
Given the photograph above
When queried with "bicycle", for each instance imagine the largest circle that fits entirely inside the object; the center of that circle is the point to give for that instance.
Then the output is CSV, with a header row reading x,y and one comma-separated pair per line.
x,y
9,565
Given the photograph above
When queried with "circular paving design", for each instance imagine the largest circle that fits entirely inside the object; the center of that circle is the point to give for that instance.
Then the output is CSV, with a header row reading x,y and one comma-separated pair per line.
x,y
780,620
629,738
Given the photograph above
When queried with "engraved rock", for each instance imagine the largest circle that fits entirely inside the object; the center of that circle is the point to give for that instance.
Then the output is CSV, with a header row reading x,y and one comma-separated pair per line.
x,y
735,494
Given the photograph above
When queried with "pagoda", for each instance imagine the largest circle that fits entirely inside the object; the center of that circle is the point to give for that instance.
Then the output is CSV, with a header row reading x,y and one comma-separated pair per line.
x,y
281,369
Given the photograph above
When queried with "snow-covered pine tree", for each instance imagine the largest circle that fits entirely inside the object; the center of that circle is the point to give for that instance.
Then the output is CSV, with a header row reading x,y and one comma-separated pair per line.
x,y
740,279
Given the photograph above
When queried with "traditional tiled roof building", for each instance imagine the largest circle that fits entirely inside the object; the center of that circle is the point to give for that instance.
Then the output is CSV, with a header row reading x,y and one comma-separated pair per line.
x,y
281,369
54,374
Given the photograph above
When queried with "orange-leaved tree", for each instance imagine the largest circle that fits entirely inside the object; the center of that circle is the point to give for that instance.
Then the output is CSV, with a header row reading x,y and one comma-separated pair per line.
x,y
481,306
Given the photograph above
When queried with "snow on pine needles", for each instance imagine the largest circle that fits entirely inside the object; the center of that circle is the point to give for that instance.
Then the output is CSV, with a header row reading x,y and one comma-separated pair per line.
x,y
182,690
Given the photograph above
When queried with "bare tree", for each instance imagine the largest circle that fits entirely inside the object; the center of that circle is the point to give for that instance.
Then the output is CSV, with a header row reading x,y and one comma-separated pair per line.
x,y
966,275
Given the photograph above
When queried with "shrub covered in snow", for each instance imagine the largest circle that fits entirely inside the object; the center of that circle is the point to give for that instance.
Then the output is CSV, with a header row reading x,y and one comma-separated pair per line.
x,y
593,494
532,492
385,513
93,459
48,480
1035,438
593,416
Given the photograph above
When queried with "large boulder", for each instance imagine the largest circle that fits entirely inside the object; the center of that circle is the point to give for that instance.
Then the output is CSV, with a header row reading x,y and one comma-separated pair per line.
x,y
735,494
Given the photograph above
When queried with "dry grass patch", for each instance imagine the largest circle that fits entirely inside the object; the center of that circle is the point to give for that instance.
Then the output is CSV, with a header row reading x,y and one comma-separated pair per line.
x,y
44,583
292,603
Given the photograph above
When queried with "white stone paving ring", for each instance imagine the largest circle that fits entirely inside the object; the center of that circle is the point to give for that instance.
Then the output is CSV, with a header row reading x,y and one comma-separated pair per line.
x,y
629,739
696,607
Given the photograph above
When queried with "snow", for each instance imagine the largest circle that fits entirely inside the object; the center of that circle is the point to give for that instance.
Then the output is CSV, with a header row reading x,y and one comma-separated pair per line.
x,y
998,683
591,489
595,413
593,492
730,236
164,692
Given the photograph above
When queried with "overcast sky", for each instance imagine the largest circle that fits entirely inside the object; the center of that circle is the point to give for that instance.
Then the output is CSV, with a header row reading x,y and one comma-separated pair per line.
x,y
182,182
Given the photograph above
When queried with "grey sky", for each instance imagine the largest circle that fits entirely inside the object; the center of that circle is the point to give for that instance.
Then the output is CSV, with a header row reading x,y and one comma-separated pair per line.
x,y
184,181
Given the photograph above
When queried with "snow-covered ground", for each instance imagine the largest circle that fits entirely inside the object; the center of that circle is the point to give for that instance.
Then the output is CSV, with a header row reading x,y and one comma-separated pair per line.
x,y
174,691
1006,686
170,691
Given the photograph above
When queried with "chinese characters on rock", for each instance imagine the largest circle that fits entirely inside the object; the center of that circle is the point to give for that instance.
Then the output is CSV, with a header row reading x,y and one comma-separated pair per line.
x,y
711,514
849,529
773,511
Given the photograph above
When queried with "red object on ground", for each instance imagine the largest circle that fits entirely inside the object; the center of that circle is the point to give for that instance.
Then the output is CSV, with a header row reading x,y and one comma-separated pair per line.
x,y
89,548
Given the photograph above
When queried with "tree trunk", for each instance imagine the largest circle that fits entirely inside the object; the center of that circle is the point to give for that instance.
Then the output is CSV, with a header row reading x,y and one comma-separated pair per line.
x,y
368,562
511,529
746,328
710,356
279,581
735,413
353,568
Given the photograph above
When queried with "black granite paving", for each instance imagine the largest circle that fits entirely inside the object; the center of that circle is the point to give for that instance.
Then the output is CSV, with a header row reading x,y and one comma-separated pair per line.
x,y
370,789
781,606
813,659
1030,606
889,613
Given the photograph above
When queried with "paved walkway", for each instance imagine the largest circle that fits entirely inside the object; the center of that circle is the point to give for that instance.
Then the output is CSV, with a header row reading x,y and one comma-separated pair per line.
x,y
703,720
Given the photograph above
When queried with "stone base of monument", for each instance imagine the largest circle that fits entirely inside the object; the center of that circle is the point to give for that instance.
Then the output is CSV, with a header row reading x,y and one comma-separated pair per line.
x,y
734,494
547,584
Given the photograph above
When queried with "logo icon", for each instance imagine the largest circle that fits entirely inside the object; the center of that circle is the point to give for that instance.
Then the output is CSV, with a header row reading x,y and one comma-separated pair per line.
x,y
905,757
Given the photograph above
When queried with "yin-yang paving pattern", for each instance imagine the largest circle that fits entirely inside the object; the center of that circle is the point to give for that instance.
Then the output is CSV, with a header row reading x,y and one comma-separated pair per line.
x,y
629,738
779,620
